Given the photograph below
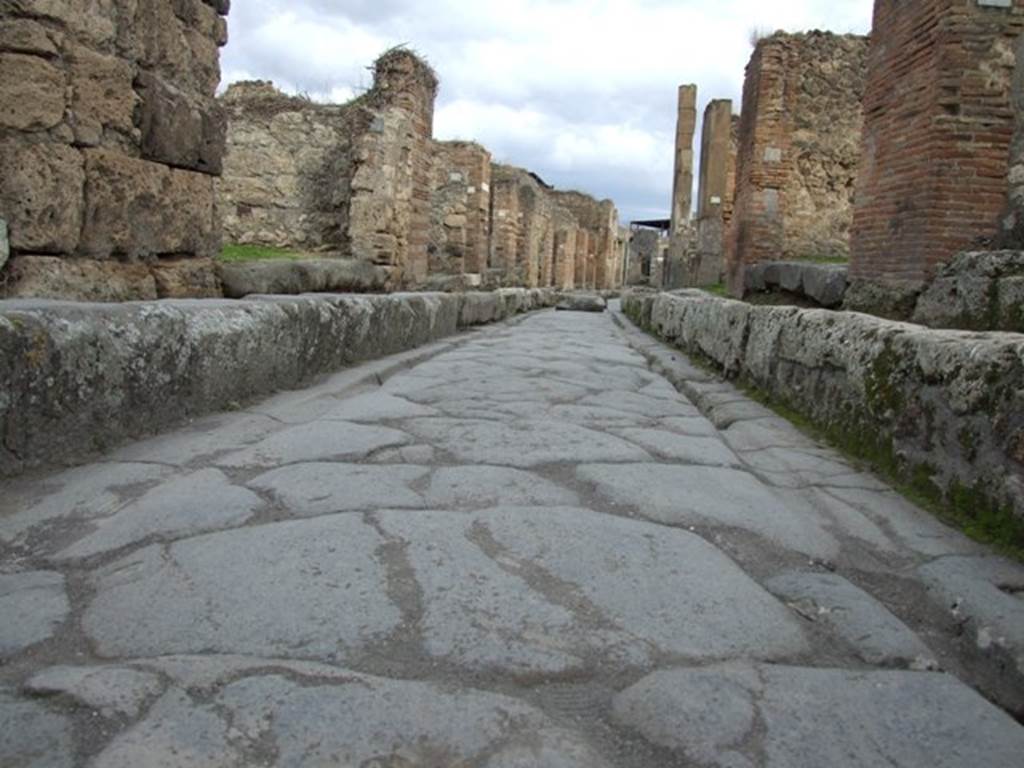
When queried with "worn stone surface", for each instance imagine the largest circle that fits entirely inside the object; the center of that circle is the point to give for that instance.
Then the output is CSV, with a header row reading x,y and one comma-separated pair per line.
x,y
78,280
33,605
813,717
32,736
857,618
337,575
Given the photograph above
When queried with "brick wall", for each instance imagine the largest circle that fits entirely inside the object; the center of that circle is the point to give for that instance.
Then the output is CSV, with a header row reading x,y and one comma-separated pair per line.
x,y
938,125
110,139
797,150
460,208
602,269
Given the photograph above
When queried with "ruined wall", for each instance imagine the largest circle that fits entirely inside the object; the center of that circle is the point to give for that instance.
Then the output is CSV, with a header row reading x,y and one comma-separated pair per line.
x,y
798,149
522,212
110,138
644,250
287,170
603,265
356,179
460,223
937,133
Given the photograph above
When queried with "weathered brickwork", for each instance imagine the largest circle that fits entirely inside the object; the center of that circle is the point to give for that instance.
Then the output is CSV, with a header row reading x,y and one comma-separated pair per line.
x,y
798,149
938,127
110,139
460,221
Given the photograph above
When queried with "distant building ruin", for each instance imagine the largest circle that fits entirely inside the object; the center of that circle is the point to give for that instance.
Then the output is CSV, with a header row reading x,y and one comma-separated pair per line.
x,y
367,181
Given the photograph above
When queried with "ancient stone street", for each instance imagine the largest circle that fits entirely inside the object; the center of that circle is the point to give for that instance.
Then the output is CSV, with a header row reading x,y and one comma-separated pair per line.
x,y
523,546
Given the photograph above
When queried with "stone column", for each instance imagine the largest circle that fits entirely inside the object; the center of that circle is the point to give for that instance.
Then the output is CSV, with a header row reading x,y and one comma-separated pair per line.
x,y
707,265
682,187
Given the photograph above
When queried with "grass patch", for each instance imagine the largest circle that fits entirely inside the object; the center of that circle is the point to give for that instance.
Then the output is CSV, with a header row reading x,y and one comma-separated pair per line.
x,y
718,289
257,253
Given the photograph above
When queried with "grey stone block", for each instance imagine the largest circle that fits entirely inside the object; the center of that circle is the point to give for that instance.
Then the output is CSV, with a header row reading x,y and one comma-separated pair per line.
x,y
285,277
5,244
753,277
791,276
825,284
582,302
180,129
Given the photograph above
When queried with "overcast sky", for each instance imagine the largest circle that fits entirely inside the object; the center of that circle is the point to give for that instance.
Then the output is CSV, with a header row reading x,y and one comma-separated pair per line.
x,y
582,92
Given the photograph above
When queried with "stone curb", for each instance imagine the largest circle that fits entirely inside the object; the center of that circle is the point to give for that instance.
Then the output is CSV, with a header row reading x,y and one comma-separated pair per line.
x,y
77,379
944,409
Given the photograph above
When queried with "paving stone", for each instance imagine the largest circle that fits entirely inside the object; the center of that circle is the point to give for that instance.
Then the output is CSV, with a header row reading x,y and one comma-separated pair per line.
x,y
86,493
790,717
204,438
985,594
33,604
524,444
111,690
321,488
309,588
376,406
915,529
857,618
765,433
194,503
482,486
407,454
31,736
320,441
643,405
351,721
686,449
695,426
550,749
683,496
535,603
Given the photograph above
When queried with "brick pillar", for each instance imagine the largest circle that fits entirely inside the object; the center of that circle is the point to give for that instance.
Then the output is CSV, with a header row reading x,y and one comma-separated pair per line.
x,y
682,186
505,226
714,205
938,126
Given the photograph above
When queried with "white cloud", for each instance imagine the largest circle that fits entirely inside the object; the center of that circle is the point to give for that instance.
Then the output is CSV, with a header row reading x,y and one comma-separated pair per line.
x,y
580,91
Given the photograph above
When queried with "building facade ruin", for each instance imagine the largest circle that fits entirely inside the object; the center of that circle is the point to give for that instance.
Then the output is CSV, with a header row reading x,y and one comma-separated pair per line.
x,y
367,181
939,120
798,150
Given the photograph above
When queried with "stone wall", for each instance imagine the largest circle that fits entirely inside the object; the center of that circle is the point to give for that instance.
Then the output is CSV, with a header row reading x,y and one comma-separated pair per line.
x,y
287,170
798,149
80,378
941,410
110,139
355,179
938,127
522,212
603,267
460,215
